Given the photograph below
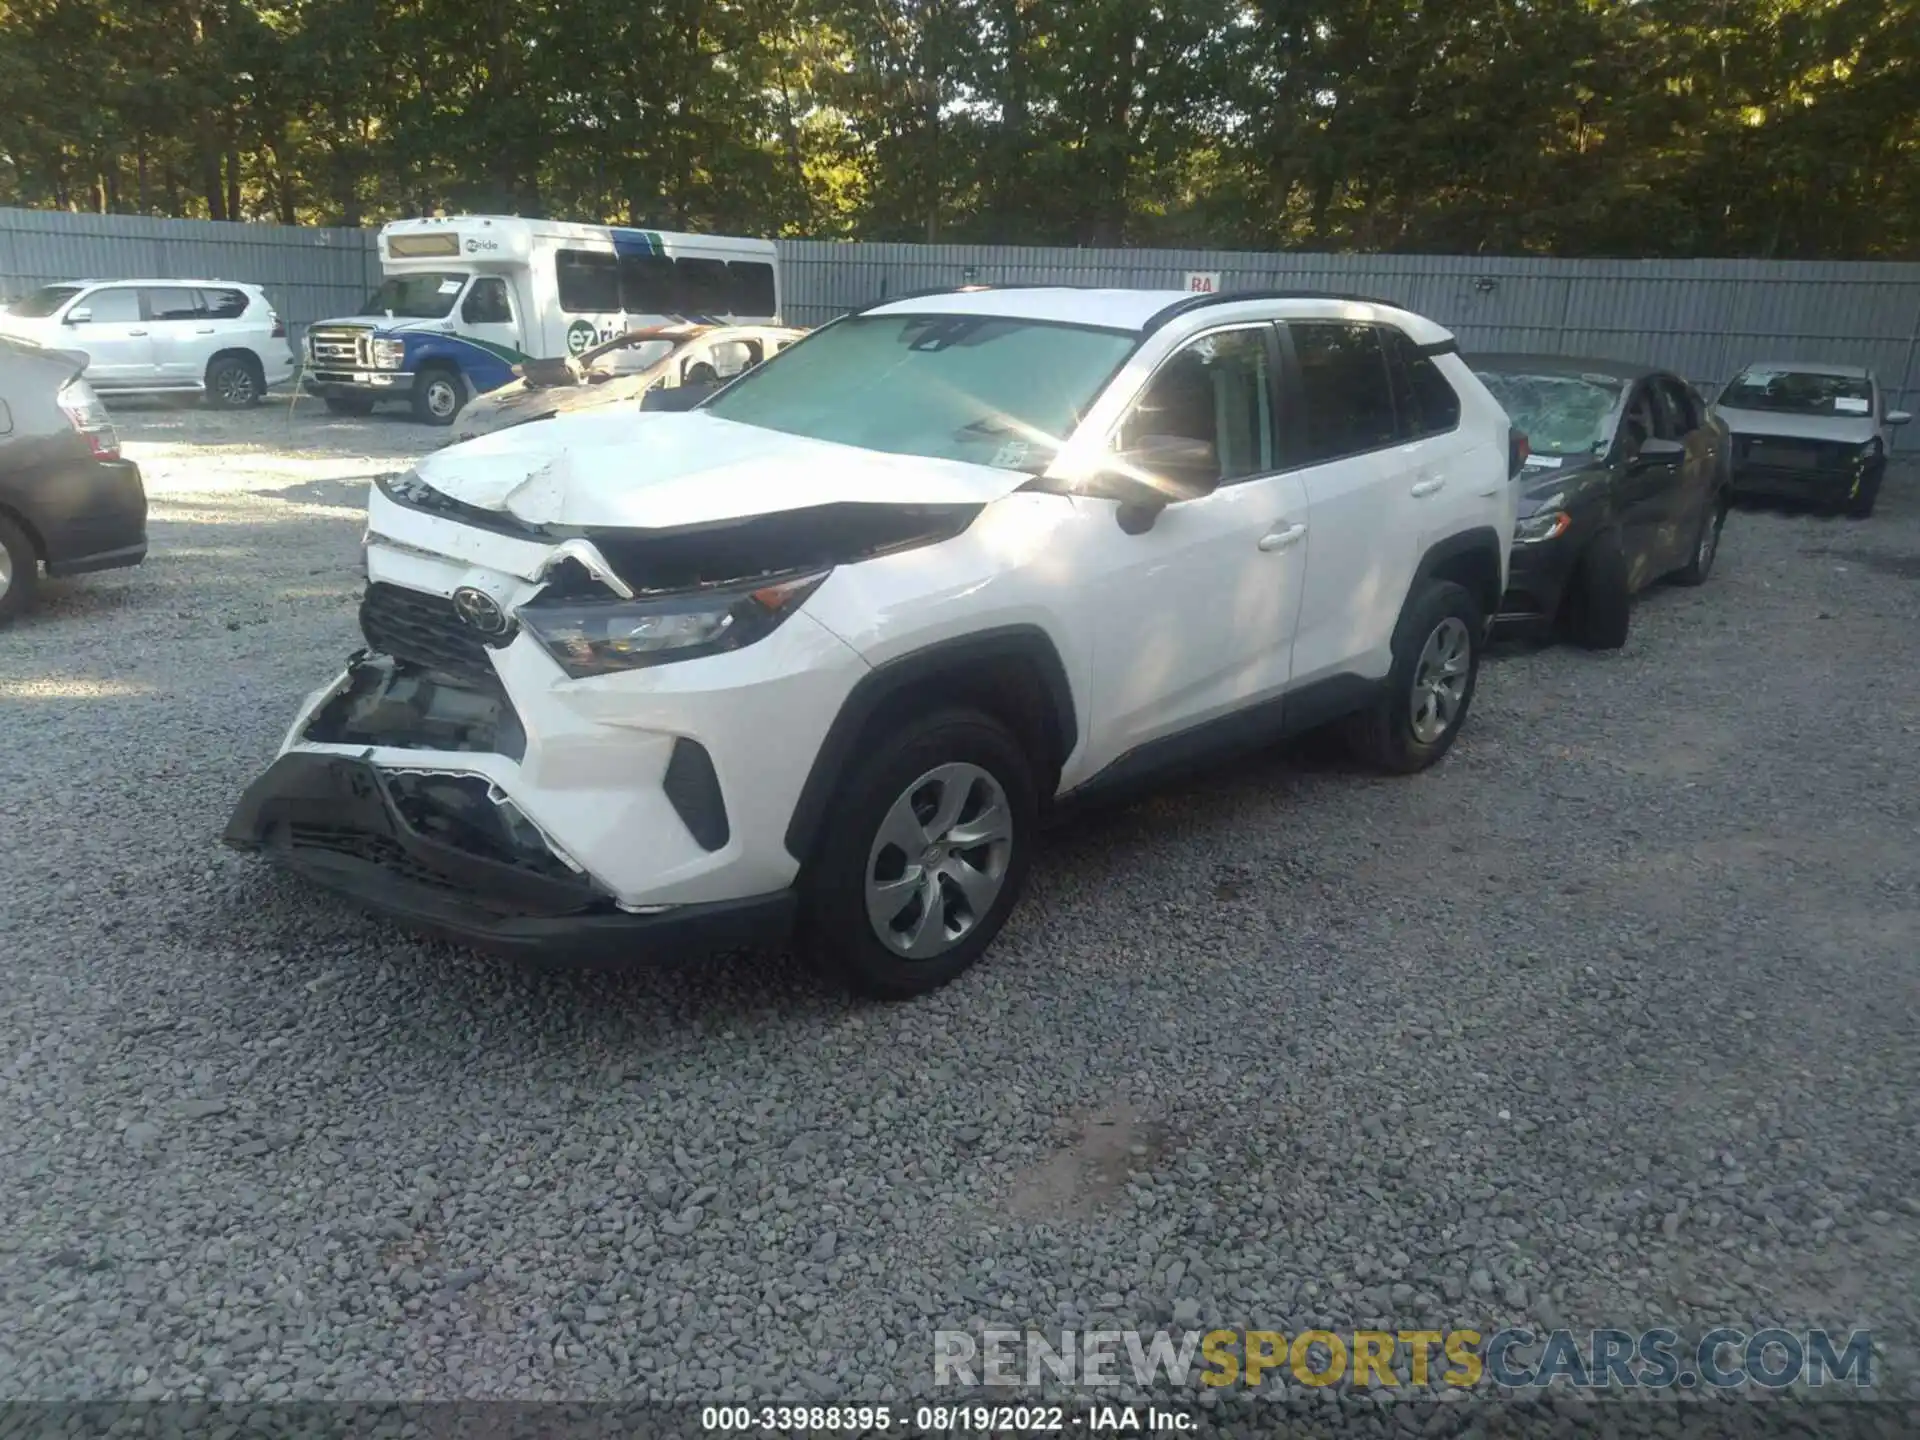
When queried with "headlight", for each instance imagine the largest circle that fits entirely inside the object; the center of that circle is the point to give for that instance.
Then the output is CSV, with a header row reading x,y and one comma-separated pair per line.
x,y
607,637
1541,526
1871,450
388,354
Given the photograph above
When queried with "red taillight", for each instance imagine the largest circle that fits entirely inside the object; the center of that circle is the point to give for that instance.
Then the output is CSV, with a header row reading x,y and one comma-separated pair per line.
x,y
279,328
89,419
1517,452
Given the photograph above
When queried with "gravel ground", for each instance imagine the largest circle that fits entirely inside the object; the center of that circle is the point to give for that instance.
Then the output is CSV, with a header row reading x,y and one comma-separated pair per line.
x,y
1610,1020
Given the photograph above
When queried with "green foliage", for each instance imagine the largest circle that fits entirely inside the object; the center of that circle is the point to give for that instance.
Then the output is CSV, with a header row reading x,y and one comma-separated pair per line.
x,y
1786,128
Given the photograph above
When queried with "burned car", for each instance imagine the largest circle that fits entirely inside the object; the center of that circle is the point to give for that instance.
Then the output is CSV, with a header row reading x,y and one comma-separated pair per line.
x,y
665,367
1812,432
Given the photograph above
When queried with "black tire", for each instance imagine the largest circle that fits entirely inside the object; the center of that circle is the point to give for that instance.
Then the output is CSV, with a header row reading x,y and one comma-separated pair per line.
x,y
1595,612
1385,736
234,383
1860,504
835,928
22,570
349,405
1706,545
438,395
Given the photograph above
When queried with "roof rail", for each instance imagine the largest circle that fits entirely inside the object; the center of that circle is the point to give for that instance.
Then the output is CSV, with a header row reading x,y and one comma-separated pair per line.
x,y
1229,297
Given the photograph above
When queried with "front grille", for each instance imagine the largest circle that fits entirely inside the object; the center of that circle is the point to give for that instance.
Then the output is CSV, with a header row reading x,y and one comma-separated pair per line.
x,y
360,845
426,631
340,347
1784,453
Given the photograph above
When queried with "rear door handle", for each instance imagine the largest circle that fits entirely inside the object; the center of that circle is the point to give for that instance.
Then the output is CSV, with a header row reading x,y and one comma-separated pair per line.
x,y
1282,536
1430,486
204,330
136,332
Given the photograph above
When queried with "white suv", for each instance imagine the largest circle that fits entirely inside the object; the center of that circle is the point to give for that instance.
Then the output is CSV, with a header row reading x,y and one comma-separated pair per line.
x,y
210,337
824,651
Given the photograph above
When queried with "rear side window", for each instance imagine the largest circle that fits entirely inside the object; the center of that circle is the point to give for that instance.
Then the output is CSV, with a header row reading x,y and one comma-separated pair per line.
x,y
117,306
752,288
1346,392
705,285
1425,402
172,303
588,281
224,304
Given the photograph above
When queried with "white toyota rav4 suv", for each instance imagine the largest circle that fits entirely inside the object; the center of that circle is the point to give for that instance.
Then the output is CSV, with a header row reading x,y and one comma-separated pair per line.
x,y
821,654
211,337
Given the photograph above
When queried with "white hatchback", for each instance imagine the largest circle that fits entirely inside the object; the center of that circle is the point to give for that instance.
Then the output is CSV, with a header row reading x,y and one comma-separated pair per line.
x,y
211,337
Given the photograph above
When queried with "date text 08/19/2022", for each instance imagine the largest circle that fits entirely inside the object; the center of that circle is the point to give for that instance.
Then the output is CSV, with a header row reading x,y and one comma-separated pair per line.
x,y
945,1419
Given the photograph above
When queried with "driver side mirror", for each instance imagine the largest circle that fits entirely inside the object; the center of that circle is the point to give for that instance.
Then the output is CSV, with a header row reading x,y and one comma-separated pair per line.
x,y
1898,417
79,315
1157,471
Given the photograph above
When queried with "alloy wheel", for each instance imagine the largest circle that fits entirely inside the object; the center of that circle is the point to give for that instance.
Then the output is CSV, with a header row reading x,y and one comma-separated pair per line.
x,y
1709,541
6,572
1440,679
939,861
236,385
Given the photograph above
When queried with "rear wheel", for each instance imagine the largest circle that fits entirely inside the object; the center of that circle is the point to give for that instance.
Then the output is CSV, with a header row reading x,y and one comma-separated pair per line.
x,y
1598,598
233,383
438,395
1436,664
19,570
1706,545
926,858
349,405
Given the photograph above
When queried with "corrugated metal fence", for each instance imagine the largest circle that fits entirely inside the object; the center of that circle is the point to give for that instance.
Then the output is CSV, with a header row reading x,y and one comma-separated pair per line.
x,y
1703,318
309,274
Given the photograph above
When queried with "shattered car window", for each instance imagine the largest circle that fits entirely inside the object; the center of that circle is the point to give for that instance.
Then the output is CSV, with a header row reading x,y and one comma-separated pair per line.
x,y
1561,415
977,388
1793,393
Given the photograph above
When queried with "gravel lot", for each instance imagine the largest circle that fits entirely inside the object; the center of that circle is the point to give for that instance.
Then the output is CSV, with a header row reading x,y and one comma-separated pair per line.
x,y
1610,1020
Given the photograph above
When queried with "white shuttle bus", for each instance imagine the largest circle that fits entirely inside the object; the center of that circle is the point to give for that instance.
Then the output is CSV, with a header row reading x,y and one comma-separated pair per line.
x,y
465,298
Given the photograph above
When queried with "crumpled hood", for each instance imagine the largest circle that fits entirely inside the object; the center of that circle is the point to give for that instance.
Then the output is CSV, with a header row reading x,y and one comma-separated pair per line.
x,y
645,470
516,402
1847,429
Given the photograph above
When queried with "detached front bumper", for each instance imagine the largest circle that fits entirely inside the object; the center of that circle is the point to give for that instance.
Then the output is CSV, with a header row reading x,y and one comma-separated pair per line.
x,y
446,854
1828,484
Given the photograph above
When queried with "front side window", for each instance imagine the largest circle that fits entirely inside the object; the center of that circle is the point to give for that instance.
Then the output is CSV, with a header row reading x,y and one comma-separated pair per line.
x,y
486,303
42,302
1218,390
1791,392
428,295
1677,420
117,306
976,388
1560,414
172,304
1345,388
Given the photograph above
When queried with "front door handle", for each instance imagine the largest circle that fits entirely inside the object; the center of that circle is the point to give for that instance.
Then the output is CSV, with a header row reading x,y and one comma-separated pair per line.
x,y
136,332
204,330
1430,486
1282,536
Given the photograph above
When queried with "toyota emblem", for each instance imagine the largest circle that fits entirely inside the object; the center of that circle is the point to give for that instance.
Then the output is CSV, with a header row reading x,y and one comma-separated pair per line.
x,y
479,611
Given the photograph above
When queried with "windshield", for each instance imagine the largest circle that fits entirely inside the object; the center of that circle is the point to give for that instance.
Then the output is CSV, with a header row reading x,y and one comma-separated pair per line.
x,y
1796,393
42,302
1559,414
428,295
982,389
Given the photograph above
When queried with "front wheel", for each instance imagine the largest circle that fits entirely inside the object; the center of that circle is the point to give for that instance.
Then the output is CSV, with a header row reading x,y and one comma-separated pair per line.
x,y
1436,664
438,396
926,859
1860,503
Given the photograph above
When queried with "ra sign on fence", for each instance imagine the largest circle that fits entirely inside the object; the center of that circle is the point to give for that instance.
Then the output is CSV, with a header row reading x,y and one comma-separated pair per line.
x,y
1203,282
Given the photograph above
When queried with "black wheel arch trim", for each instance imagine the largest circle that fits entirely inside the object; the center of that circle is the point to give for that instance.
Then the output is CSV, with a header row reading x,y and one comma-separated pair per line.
x,y
1482,541
1024,644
